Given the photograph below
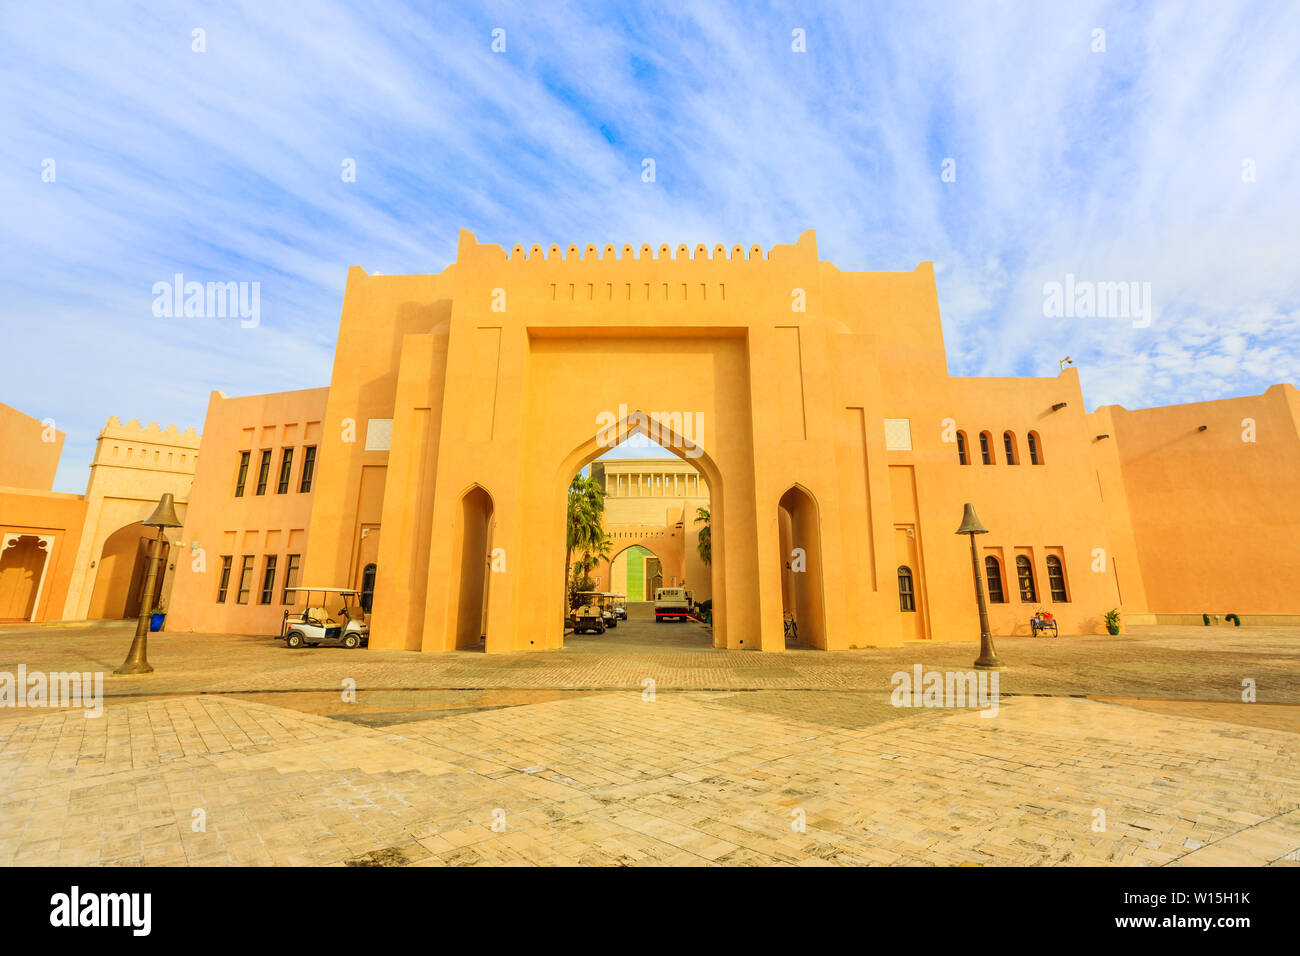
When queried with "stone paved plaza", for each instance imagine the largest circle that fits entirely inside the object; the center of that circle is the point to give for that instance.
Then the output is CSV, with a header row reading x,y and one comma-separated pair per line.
x,y
1135,750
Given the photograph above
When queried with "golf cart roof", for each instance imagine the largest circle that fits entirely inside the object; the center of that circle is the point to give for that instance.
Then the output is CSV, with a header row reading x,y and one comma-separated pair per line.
x,y
303,587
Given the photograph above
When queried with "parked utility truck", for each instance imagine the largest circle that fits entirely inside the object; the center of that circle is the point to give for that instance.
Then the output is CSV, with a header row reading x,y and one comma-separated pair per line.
x,y
671,604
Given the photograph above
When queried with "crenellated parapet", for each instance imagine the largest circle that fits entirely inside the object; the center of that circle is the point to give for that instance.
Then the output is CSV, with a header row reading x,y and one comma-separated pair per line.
x,y
628,251
611,254
146,446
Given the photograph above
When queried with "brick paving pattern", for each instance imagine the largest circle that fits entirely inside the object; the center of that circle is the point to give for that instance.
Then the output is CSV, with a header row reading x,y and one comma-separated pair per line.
x,y
499,761
1161,662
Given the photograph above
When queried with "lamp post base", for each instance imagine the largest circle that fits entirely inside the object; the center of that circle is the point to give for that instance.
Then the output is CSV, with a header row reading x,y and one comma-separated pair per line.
x,y
988,659
136,660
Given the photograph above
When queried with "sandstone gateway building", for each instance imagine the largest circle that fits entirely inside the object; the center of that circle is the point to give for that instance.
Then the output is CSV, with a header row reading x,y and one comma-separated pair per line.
x,y
816,405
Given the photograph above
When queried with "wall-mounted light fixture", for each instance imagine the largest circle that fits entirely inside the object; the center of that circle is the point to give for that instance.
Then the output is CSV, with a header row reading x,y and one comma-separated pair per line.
x,y
1100,437
1066,361
1058,406
1202,428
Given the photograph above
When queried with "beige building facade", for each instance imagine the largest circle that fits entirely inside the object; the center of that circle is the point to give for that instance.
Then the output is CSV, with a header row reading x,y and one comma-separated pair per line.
x,y
811,407
245,534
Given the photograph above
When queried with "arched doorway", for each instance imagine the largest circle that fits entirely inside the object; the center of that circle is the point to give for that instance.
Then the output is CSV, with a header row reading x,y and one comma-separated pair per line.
x,y
801,565
472,588
632,572
23,560
120,573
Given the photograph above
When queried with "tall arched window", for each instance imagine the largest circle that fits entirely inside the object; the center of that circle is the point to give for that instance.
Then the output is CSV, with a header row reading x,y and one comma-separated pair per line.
x,y
986,448
963,455
1025,577
993,572
1035,449
1009,445
1056,579
906,596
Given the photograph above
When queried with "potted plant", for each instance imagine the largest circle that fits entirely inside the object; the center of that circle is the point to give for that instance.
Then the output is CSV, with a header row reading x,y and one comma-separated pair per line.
x,y
1112,621
157,617
1236,621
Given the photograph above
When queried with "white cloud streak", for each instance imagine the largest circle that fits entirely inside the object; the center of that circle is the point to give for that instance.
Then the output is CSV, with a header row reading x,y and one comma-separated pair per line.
x,y
1117,166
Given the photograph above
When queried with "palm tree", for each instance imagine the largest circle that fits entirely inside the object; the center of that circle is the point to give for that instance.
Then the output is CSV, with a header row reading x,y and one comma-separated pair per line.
x,y
704,517
595,554
585,520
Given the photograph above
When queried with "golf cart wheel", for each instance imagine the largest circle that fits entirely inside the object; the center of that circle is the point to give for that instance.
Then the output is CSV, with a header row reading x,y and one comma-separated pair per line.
x,y
351,641
293,640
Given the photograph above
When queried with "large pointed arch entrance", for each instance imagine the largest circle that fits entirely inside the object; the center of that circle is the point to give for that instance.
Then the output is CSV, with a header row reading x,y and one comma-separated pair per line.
x,y
669,435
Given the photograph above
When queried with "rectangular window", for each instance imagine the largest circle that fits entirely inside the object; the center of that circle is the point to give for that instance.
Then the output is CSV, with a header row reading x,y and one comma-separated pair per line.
x,y
286,467
986,453
268,580
291,579
243,474
245,579
308,468
224,584
898,434
263,471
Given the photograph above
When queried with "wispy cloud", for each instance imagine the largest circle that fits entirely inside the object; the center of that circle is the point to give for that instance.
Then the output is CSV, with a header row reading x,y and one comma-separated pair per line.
x,y
225,166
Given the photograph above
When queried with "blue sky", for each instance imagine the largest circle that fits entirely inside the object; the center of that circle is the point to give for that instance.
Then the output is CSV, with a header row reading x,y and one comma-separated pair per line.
x,y
224,165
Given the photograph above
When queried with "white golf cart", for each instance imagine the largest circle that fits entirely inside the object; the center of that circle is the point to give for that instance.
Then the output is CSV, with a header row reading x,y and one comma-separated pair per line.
x,y
604,604
588,615
325,620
